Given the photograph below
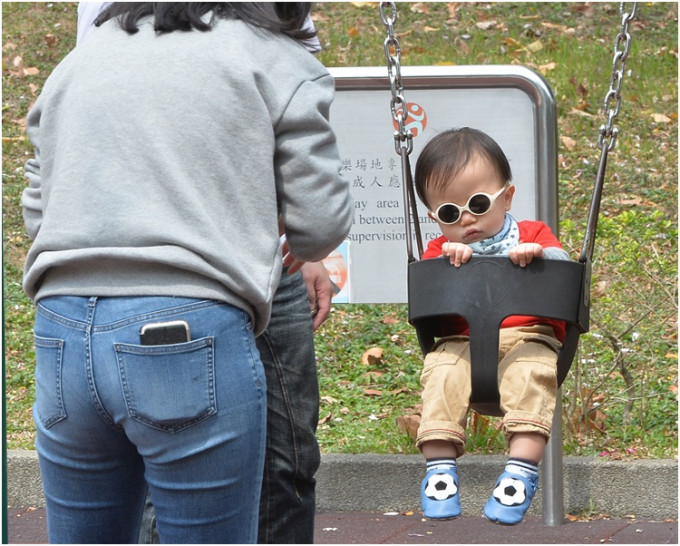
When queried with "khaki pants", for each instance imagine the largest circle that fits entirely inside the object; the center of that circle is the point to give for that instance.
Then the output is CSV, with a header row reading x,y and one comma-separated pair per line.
x,y
527,382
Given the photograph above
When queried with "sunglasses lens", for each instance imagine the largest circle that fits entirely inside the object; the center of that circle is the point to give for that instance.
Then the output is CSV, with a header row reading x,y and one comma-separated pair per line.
x,y
448,213
479,204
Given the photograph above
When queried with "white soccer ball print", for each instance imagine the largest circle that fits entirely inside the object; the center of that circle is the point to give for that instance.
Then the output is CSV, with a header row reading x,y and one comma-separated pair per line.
x,y
510,492
441,487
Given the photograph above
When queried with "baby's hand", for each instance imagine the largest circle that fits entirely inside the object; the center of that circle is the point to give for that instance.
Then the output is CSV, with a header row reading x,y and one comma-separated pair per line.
x,y
458,253
523,253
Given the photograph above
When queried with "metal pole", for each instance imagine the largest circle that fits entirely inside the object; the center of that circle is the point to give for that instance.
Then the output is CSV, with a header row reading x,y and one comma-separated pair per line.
x,y
553,486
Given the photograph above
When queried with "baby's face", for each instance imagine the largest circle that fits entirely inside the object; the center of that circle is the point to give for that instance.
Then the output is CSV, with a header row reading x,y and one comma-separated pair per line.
x,y
479,175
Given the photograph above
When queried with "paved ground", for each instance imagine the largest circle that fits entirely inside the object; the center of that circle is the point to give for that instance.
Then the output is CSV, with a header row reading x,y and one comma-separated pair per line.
x,y
28,526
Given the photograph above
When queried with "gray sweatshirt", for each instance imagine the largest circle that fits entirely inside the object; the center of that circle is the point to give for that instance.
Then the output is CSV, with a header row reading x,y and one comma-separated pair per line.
x,y
162,163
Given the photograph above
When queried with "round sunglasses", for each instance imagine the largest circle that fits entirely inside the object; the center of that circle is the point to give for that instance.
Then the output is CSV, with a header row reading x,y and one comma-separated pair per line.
x,y
478,204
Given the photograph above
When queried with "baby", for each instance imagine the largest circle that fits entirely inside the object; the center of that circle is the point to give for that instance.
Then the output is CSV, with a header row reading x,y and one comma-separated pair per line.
x,y
463,177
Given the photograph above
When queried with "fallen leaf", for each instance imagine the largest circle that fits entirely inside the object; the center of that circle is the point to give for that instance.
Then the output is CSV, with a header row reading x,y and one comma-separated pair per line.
x,y
547,67
582,113
31,71
328,399
599,289
372,392
553,26
462,46
409,424
372,356
661,118
353,32
512,42
51,39
535,46
390,319
420,7
485,25
634,201
569,143
396,338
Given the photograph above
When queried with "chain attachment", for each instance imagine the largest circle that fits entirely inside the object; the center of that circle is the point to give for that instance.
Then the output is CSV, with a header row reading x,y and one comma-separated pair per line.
x,y
608,134
612,101
403,138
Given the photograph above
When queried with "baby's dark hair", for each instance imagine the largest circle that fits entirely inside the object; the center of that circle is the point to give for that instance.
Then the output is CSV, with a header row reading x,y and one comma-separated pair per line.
x,y
446,154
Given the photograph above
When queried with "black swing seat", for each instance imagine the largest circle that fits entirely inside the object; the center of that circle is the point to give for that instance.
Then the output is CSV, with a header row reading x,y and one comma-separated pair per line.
x,y
485,291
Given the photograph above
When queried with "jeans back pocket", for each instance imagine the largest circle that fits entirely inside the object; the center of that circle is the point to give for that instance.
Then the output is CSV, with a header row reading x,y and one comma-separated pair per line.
x,y
168,387
49,399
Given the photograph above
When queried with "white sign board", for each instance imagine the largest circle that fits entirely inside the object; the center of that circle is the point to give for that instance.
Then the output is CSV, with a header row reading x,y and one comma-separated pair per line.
x,y
512,104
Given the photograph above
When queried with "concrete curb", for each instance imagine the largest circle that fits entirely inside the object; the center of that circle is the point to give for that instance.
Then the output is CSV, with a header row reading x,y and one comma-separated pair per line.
x,y
646,489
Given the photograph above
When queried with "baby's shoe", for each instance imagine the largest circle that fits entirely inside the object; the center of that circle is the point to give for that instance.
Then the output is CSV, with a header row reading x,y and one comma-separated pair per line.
x,y
511,498
439,493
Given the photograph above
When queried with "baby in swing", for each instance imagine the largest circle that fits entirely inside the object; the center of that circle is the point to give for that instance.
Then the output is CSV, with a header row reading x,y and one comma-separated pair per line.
x,y
463,177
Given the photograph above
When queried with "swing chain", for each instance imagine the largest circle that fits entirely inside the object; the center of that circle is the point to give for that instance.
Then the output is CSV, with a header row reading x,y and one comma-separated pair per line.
x,y
612,101
402,137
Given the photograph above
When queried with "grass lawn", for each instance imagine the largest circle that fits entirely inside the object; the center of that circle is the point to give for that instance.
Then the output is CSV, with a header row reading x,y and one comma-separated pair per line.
x,y
620,400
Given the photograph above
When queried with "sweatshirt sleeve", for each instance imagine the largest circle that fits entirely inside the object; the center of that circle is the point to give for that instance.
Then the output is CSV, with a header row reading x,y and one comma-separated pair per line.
x,y
314,199
31,198
539,232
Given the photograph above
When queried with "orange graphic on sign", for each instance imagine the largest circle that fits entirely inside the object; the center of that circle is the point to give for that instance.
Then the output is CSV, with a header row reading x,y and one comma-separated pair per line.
x,y
337,268
416,121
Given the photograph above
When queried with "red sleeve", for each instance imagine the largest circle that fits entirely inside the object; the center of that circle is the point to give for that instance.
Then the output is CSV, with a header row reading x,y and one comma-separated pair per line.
x,y
533,231
434,248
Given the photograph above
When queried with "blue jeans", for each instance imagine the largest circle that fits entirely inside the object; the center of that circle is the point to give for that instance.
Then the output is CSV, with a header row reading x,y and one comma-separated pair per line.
x,y
287,501
113,415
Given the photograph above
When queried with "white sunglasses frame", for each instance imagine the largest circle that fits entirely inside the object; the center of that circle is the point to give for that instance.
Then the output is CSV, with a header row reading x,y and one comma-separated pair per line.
x,y
466,208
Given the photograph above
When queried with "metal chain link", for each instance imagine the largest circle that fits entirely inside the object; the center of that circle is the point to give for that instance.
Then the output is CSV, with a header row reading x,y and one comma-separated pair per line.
x,y
612,101
398,105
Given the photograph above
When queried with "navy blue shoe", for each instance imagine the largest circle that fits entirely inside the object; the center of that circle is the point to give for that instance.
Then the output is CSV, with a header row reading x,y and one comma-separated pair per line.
x,y
511,498
439,493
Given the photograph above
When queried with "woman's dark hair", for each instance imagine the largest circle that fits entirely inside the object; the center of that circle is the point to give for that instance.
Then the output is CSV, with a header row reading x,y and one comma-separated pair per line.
x,y
449,152
284,17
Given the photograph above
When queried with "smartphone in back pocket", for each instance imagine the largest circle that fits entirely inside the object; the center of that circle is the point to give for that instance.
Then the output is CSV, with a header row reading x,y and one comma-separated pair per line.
x,y
165,333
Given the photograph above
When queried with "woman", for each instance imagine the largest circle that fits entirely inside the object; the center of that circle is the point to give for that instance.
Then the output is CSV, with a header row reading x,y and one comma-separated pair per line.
x,y
167,146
